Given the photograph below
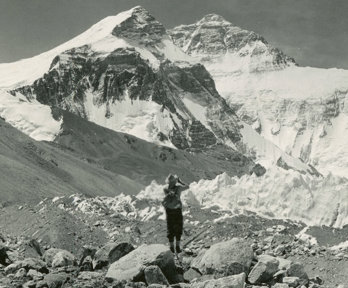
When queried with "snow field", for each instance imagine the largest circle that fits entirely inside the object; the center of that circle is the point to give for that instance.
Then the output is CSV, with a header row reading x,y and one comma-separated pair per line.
x,y
32,118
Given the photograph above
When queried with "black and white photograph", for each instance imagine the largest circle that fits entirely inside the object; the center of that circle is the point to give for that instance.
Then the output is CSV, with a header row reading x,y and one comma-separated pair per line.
x,y
173,143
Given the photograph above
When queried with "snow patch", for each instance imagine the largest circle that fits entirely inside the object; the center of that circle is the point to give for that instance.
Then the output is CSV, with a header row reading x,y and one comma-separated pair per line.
x,y
32,118
143,119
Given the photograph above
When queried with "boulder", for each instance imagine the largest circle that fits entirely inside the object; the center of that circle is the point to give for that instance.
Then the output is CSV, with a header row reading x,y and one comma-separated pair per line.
x,y
34,275
49,255
154,275
225,258
264,270
110,253
180,285
166,262
135,285
53,281
87,251
280,285
12,268
13,256
259,170
284,264
234,281
88,275
30,284
86,264
27,264
291,281
131,266
34,263
191,274
21,273
63,258
31,249
297,270
4,260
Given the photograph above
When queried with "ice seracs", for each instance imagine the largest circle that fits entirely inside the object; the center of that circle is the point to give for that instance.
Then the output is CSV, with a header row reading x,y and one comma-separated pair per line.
x,y
277,194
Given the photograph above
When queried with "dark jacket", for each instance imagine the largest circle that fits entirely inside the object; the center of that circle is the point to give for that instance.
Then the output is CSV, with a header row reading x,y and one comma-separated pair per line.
x,y
172,196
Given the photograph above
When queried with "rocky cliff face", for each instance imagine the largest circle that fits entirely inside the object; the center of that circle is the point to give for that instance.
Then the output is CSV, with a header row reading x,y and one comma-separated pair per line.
x,y
185,109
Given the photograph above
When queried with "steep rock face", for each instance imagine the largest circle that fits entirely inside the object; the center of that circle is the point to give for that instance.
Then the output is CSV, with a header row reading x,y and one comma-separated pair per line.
x,y
213,38
301,110
186,109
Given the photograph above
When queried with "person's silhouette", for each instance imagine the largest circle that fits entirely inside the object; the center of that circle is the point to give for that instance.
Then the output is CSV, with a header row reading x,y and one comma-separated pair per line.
x,y
172,204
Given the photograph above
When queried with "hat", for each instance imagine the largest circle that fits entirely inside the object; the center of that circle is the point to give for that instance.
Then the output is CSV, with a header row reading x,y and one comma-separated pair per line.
x,y
171,179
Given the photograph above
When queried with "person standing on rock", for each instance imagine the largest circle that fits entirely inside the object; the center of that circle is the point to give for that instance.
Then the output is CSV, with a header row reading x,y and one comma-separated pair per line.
x,y
173,206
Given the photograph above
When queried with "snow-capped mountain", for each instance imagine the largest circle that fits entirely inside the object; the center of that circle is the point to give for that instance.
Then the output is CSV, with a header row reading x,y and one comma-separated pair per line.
x,y
101,39
302,110
125,81
125,73
214,39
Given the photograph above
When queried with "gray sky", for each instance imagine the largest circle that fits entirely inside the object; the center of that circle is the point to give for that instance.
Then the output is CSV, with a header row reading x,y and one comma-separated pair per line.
x,y
314,32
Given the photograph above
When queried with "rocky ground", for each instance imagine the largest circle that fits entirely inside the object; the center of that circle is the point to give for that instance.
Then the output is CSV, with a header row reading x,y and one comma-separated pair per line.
x,y
80,242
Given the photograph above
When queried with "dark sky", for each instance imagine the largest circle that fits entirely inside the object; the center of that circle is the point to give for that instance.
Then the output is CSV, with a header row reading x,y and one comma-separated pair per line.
x,y
314,32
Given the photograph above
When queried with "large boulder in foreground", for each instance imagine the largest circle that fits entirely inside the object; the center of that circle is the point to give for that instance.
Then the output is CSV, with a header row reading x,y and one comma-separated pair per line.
x,y
225,258
264,270
110,253
131,266
154,275
234,281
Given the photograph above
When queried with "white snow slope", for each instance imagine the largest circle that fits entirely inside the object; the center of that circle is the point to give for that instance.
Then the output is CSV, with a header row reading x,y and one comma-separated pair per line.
x,y
302,110
32,118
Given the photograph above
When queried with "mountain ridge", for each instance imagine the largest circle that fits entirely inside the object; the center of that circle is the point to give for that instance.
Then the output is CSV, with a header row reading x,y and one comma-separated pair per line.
x,y
299,109
213,36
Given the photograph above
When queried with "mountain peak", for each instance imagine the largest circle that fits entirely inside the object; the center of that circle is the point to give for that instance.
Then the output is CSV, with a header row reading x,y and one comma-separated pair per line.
x,y
213,19
139,9
140,26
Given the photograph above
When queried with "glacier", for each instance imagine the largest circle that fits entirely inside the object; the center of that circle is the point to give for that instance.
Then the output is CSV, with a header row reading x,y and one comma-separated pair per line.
x,y
277,194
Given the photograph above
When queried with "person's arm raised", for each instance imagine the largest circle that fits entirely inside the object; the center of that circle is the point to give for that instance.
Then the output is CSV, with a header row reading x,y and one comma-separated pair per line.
x,y
183,186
